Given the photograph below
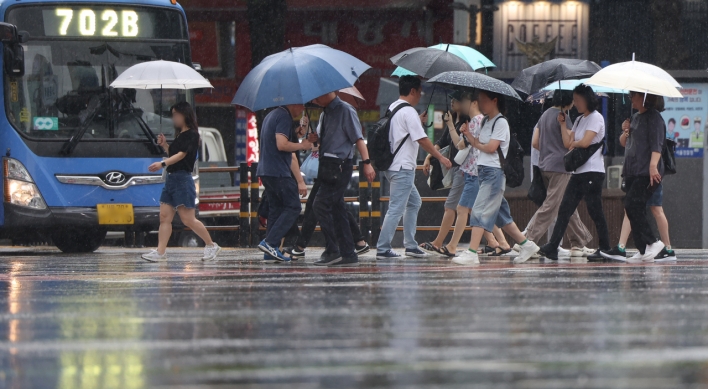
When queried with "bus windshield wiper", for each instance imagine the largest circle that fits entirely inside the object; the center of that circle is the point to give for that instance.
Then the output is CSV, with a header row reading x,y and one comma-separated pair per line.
x,y
90,113
154,147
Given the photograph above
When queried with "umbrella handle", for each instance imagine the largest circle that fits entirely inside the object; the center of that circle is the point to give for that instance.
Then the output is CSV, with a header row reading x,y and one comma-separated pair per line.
x,y
430,100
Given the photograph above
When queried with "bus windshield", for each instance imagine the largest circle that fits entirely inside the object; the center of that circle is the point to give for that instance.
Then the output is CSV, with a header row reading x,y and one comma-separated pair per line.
x,y
67,76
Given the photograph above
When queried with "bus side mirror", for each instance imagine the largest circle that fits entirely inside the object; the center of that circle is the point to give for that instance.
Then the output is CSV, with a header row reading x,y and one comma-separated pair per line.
x,y
14,54
8,33
14,60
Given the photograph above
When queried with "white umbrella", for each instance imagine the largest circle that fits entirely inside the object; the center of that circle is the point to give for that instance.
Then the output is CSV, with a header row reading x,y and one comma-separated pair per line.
x,y
160,75
633,80
644,67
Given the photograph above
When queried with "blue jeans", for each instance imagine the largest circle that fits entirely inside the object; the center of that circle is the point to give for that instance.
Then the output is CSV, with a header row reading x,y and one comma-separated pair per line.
x,y
469,193
491,207
179,190
283,207
405,202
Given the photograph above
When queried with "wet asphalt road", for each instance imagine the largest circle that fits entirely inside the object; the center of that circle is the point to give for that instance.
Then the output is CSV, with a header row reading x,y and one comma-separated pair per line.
x,y
110,320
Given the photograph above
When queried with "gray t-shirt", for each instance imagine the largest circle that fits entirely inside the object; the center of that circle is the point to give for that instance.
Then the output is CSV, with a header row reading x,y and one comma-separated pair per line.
x,y
551,142
341,129
646,135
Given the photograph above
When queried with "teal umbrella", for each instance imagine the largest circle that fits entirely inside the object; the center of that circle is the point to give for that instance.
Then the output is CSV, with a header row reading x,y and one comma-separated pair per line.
x,y
571,84
473,57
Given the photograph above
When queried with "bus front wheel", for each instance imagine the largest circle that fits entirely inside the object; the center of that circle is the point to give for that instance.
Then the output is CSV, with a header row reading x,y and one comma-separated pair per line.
x,y
72,240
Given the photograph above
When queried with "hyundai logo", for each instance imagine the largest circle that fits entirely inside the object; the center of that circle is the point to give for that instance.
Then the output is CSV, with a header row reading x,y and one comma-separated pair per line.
x,y
115,178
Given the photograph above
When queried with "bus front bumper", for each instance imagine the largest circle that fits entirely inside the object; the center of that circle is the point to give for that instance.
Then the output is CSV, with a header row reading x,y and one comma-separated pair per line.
x,y
16,217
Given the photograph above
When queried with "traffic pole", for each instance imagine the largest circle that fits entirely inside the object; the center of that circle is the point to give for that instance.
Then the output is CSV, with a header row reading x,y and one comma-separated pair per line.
x,y
375,216
255,201
364,211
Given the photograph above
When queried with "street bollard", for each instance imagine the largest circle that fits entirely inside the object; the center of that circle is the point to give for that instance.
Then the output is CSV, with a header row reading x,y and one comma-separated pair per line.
x,y
364,198
244,214
375,215
255,200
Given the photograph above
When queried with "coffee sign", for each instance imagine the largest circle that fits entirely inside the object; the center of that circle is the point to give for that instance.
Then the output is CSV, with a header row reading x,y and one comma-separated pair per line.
x,y
524,33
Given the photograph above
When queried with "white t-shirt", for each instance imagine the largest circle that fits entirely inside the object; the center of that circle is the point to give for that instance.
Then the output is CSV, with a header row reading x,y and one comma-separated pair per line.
x,y
594,122
404,122
501,133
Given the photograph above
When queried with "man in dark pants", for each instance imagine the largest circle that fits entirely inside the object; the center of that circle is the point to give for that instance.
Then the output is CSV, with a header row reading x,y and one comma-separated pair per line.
x,y
309,223
341,129
275,169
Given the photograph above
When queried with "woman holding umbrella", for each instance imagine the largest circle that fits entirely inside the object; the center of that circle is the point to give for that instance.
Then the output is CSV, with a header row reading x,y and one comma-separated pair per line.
x,y
490,207
179,194
553,140
586,181
644,138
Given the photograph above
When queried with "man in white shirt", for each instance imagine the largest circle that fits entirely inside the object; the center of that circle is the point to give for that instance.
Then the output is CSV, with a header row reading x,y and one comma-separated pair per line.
x,y
405,202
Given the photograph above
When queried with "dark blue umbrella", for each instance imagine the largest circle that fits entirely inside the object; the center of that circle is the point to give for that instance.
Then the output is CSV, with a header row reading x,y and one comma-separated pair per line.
x,y
298,75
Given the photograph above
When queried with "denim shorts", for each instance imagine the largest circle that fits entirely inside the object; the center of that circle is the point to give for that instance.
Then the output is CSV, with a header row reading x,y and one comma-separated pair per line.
x,y
657,199
469,193
458,184
490,207
179,190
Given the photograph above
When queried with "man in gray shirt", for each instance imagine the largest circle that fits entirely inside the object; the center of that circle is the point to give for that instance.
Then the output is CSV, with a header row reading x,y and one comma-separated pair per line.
x,y
340,130
552,139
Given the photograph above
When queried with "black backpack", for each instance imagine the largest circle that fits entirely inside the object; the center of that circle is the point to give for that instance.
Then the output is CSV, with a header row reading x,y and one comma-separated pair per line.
x,y
378,143
513,164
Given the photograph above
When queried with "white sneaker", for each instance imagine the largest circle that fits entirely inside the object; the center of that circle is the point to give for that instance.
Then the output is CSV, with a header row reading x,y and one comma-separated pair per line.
x,y
527,251
154,256
516,248
210,252
563,253
652,251
466,258
577,252
636,257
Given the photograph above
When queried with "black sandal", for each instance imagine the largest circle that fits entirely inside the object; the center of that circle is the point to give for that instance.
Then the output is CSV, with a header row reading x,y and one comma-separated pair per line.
x,y
498,252
487,250
445,252
429,248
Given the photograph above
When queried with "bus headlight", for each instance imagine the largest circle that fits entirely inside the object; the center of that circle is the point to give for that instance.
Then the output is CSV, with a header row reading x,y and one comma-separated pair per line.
x,y
19,188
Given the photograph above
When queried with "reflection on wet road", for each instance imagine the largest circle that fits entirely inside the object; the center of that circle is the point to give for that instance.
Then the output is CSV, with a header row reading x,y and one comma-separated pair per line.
x,y
110,320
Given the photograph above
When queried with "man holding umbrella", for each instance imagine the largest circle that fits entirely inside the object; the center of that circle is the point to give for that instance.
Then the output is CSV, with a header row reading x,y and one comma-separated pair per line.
x,y
276,165
340,130
287,80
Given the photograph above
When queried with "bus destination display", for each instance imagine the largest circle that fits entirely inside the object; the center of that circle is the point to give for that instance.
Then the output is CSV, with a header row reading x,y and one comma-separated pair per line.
x,y
94,21
88,22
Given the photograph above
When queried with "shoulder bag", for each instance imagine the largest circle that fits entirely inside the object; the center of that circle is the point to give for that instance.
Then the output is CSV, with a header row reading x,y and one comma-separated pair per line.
x,y
578,157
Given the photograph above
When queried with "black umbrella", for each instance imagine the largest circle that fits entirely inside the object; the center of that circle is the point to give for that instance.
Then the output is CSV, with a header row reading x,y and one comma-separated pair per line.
x,y
532,79
474,80
427,62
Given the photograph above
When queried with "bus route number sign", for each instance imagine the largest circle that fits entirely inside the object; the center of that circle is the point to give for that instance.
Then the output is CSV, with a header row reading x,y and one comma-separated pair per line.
x,y
89,22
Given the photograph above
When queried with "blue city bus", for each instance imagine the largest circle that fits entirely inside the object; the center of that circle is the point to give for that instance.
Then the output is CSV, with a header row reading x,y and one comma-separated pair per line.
x,y
74,151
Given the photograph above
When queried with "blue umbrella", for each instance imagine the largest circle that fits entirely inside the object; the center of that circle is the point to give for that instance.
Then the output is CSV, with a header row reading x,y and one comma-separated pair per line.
x,y
298,75
473,57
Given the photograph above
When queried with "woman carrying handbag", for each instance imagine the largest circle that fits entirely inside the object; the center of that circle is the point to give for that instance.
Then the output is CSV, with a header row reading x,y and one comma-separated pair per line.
x,y
588,176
